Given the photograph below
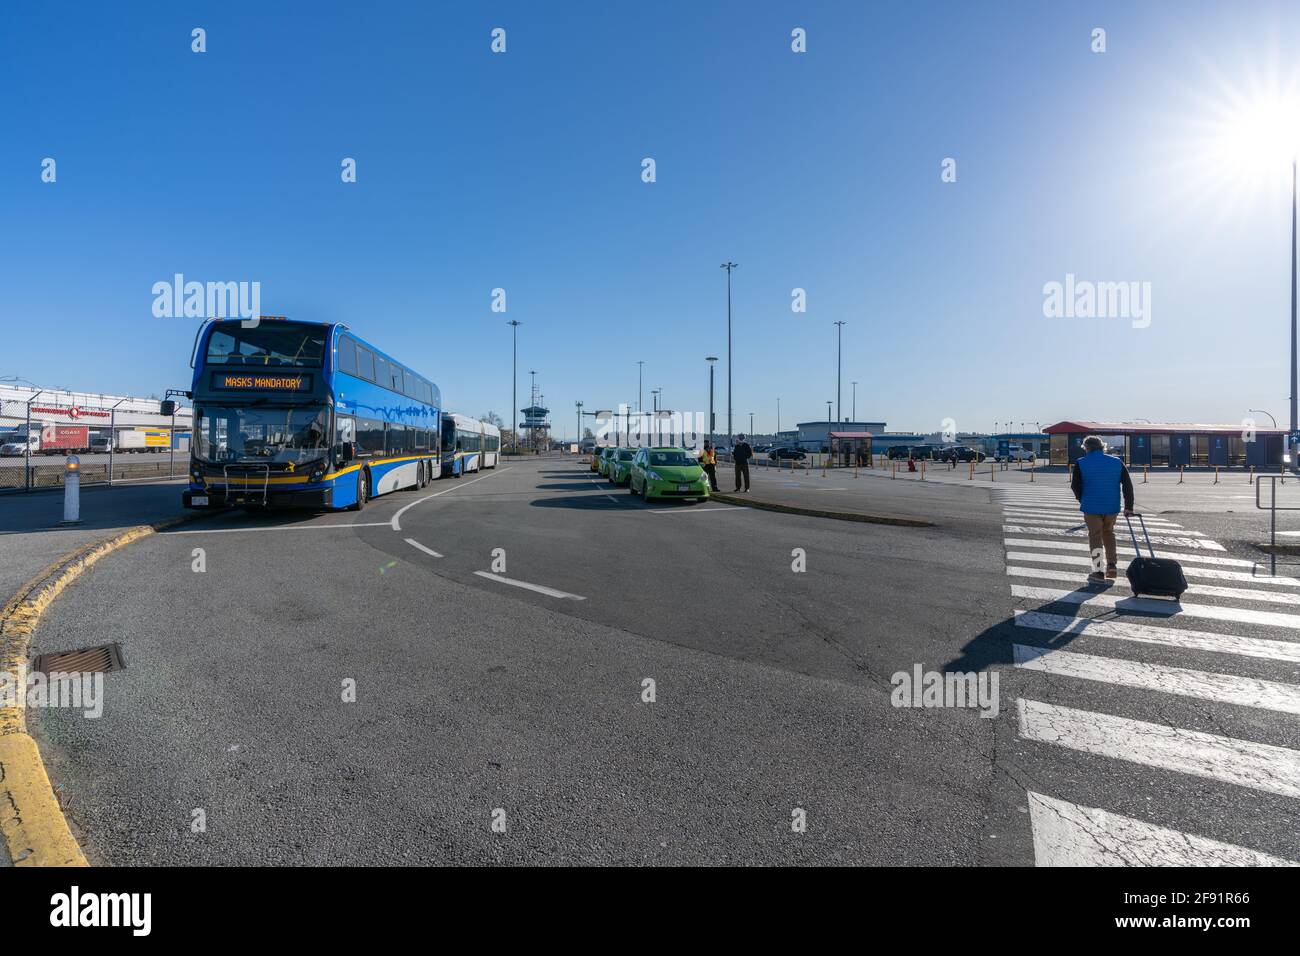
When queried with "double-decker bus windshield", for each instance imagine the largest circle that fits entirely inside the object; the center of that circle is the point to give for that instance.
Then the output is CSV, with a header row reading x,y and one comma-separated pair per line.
x,y
224,434
269,344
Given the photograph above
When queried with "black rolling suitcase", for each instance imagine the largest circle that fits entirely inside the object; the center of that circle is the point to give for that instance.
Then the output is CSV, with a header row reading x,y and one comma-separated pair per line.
x,y
1162,577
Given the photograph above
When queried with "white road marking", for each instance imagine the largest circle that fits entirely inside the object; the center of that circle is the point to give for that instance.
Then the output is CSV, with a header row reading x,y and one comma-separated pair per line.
x,y
287,527
1195,590
396,521
1066,834
549,592
419,547
1166,608
1155,538
1060,545
1126,630
1080,560
1180,681
1066,517
1209,756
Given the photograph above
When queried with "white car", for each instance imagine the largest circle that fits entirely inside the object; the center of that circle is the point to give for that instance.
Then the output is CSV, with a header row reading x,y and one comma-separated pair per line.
x,y
1017,454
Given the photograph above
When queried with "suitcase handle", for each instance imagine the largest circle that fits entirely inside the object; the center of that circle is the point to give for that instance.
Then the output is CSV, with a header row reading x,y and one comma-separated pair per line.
x,y
1145,534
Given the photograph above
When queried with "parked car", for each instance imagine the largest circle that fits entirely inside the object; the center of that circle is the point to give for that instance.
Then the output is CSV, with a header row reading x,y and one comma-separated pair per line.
x,y
961,453
596,455
785,453
895,452
1017,454
606,456
667,473
923,452
620,467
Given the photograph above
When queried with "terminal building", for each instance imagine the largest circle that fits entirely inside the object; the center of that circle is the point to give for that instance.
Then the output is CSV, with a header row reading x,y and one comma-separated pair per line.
x,y
101,413
1170,445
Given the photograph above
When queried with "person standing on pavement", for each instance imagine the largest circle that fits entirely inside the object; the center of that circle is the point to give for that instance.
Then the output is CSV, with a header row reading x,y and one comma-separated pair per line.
x,y
741,455
1097,482
709,462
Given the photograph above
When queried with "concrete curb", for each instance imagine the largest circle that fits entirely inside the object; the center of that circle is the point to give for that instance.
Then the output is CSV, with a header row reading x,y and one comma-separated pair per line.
x,y
31,820
762,505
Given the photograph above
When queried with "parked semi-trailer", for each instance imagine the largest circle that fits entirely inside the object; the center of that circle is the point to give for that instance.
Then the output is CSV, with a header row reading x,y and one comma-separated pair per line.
x,y
143,439
47,440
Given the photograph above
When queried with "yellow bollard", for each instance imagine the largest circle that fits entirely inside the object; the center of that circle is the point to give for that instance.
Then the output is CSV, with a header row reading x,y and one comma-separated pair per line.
x,y
1033,461
1216,474
923,469
1145,468
894,471
1180,474
971,474
1250,479
992,474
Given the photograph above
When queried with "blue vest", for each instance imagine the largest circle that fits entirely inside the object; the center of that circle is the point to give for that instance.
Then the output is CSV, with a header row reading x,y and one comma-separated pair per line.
x,y
1100,483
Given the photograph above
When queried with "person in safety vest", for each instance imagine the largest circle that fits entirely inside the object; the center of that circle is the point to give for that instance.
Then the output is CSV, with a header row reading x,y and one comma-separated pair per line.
x,y
709,462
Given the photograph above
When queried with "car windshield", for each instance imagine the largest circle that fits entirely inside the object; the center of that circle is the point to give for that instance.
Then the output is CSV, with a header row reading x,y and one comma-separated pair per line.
x,y
263,434
269,344
625,454
669,458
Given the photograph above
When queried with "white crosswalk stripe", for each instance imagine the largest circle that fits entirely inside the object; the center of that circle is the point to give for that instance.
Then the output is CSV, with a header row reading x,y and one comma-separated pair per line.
x,y
1063,545
1195,590
1061,626
1066,834
1155,538
1221,688
1083,561
1242,763
1159,606
1045,543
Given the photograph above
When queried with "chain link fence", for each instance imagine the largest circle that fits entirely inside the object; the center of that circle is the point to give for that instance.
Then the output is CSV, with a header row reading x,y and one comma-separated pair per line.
x,y
35,441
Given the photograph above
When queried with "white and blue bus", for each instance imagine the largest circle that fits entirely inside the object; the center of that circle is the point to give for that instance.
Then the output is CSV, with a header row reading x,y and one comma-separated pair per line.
x,y
305,414
468,444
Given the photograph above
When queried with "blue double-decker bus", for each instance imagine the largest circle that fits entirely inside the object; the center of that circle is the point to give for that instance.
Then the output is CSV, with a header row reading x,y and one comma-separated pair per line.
x,y
305,414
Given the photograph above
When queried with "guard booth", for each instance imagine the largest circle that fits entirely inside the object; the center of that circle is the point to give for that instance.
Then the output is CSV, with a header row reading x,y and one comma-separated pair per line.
x,y
850,448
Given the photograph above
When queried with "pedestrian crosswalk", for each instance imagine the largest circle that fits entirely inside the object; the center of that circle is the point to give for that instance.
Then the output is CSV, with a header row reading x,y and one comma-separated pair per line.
x,y
1232,610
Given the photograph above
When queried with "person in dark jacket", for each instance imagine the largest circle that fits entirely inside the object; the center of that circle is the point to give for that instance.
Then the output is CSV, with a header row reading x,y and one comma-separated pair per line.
x,y
1097,482
741,455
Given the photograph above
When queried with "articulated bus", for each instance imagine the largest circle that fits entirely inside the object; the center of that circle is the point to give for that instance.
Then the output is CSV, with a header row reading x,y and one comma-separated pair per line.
x,y
468,444
305,414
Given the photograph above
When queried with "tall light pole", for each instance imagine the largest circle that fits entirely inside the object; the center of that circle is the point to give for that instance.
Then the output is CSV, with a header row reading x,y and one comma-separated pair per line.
x,y
654,392
579,404
711,359
855,401
1295,426
639,392
839,367
514,386
751,424
532,400
729,265
778,414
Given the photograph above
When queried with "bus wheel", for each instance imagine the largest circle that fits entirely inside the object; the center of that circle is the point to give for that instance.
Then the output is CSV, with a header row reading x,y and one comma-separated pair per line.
x,y
363,489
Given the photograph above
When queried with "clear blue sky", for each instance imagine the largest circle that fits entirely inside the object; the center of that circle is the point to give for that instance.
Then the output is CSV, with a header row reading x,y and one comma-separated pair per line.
x,y
522,171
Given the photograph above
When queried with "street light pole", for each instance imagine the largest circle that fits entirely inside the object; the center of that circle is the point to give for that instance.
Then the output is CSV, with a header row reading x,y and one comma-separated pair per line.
x,y
711,359
751,424
778,414
855,402
729,265
1295,426
639,392
579,404
839,368
514,386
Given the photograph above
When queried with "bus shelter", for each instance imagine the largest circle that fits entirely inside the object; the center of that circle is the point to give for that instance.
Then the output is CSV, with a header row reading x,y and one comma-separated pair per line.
x,y
850,448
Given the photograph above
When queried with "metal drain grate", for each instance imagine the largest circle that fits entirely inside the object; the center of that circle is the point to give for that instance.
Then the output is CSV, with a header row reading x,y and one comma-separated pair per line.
x,y
105,659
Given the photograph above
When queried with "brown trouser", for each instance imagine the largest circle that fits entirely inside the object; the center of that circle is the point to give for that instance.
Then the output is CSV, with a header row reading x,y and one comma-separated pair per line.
x,y
1101,535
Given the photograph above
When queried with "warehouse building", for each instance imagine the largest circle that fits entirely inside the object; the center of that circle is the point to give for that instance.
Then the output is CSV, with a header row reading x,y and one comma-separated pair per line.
x,y
1170,445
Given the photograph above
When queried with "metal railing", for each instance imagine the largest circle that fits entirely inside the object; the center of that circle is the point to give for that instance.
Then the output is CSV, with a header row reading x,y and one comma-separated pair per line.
x,y
1272,508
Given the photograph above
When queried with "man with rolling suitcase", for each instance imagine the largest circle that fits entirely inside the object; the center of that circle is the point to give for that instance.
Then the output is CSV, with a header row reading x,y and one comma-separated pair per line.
x,y
1097,482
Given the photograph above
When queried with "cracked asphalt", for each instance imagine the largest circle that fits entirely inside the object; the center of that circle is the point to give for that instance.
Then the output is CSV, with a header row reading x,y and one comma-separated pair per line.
x,y
479,700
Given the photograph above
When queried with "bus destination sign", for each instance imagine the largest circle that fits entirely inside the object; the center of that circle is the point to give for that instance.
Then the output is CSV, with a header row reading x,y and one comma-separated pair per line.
x,y
261,380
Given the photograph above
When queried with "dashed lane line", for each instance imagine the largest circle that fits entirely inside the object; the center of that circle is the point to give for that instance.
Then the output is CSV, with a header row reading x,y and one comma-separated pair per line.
x,y
419,547
540,589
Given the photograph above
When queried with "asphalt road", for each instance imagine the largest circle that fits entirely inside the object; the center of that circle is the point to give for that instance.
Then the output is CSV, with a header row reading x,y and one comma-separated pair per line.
x,y
516,693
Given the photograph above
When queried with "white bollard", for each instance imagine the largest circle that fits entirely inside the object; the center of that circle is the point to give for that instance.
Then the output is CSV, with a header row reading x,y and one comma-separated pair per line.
x,y
72,491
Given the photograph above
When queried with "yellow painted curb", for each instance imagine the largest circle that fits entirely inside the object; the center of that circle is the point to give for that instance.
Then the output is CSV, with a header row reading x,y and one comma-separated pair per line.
x,y
762,505
31,821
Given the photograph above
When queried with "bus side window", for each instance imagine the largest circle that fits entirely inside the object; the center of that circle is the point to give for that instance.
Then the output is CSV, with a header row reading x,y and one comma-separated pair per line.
x,y
370,437
345,433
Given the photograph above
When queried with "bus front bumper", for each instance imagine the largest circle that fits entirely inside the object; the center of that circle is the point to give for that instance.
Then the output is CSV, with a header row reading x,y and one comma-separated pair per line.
x,y
320,497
